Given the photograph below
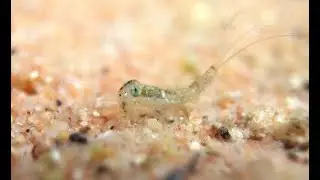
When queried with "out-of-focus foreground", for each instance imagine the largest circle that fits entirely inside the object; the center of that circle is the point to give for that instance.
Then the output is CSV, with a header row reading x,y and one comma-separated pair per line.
x,y
71,57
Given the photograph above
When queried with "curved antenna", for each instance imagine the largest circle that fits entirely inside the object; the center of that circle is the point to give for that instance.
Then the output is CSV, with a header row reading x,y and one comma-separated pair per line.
x,y
251,44
241,37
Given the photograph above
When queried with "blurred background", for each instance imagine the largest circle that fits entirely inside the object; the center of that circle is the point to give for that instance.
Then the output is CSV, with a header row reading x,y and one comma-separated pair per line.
x,y
143,39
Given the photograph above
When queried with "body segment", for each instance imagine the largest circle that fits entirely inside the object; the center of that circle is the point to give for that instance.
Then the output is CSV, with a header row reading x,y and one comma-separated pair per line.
x,y
133,94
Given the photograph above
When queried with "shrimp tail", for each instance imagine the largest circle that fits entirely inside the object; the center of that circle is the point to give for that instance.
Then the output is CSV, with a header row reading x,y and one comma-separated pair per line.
x,y
203,81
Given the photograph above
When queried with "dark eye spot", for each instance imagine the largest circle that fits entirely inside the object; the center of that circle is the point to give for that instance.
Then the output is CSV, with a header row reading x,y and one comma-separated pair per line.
x,y
135,92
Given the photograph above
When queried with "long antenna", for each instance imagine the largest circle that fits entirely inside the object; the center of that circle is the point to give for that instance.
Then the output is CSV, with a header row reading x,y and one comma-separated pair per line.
x,y
250,45
241,37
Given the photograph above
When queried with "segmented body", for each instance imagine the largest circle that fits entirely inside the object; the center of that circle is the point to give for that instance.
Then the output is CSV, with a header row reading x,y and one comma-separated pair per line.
x,y
133,94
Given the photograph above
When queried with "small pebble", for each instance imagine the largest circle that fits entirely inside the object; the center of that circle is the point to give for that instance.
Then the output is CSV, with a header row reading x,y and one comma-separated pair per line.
x,y
221,133
195,146
78,138
224,133
58,102
96,114
101,169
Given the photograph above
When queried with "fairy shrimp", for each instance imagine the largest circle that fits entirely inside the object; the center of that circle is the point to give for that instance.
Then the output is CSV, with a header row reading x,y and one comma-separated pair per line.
x,y
133,94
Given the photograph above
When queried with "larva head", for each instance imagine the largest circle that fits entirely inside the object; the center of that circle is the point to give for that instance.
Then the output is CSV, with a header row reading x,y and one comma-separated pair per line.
x,y
130,89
